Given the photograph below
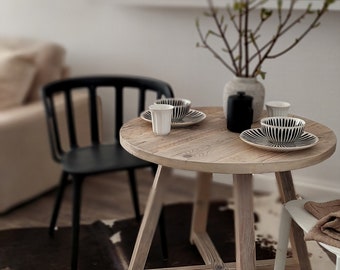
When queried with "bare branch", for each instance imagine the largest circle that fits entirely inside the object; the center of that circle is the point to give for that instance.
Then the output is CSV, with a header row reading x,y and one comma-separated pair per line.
x,y
313,25
207,46
248,38
222,33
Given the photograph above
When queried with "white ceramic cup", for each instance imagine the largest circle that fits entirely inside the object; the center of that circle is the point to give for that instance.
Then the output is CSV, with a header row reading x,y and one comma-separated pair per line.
x,y
161,118
277,108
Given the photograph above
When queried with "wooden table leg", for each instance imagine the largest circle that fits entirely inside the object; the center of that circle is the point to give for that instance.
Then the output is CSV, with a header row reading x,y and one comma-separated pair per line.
x,y
150,219
201,204
244,222
287,192
198,235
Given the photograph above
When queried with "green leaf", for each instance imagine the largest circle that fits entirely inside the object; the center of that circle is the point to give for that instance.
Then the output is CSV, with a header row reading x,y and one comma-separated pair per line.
x,y
316,25
225,28
309,9
260,73
239,6
197,23
263,75
222,20
252,37
265,13
211,32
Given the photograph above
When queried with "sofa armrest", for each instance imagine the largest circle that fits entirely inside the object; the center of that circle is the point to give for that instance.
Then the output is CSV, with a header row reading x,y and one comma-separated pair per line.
x,y
26,165
25,162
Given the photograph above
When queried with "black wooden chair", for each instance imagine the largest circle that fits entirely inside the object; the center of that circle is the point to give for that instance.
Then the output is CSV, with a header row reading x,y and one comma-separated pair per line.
x,y
78,162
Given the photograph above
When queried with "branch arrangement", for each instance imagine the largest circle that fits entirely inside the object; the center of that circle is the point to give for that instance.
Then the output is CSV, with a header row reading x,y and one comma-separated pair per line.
x,y
245,55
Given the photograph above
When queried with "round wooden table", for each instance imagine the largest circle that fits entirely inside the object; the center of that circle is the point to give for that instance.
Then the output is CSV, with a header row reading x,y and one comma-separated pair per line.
x,y
207,148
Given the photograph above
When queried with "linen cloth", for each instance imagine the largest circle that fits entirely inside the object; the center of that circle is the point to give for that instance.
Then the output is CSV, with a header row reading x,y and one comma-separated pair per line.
x,y
327,229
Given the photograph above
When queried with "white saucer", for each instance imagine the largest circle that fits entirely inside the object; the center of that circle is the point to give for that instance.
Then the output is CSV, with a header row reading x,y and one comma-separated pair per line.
x,y
193,117
256,138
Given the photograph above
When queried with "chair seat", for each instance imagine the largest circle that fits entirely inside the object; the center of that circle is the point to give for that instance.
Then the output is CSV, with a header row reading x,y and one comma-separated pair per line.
x,y
99,159
305,220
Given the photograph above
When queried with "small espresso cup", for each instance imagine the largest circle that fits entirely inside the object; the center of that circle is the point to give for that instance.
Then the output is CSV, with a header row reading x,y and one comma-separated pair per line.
x,y
277,108
161,118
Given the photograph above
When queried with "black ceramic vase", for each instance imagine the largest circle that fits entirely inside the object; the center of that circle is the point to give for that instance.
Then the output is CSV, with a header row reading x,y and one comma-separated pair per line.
x,y
239,112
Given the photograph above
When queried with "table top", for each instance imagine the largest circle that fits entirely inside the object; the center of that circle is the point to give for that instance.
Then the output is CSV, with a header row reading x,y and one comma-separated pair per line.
x,y
210,147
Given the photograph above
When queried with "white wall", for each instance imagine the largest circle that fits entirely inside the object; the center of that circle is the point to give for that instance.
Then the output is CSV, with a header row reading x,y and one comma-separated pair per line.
x,y
104,37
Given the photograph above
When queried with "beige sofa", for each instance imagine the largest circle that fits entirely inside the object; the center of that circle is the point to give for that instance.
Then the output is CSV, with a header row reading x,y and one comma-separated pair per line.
x,y
26,166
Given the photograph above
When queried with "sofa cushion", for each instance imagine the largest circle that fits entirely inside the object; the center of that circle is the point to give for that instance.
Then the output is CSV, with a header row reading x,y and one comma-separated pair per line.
x,y
45,57
17,73
49,60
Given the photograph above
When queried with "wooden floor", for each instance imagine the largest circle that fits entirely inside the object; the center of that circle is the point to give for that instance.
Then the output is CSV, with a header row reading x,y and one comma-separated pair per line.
x,y
104,197
108,197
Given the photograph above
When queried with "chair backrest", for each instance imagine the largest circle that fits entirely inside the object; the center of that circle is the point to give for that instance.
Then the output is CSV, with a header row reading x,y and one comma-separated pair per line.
x,y
65,91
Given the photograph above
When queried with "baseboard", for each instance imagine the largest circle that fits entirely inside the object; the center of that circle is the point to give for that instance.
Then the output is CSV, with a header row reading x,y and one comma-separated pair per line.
x,y
267,183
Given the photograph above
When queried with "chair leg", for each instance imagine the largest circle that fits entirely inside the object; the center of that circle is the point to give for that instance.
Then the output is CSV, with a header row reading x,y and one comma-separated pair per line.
x,y
134,194
164,240
282,246
77,186
59,198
